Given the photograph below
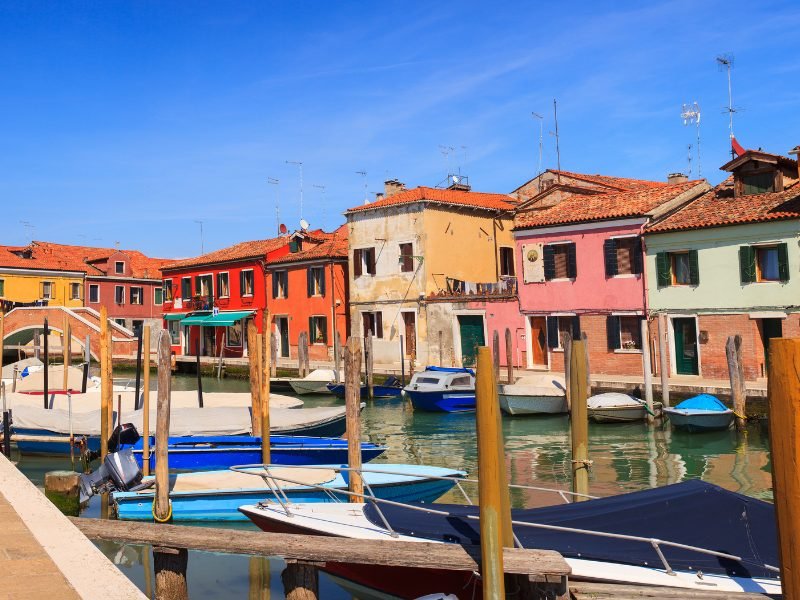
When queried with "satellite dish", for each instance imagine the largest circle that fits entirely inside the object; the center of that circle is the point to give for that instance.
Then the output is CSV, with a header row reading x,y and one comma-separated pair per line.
x,y
303,224
455,179
282,228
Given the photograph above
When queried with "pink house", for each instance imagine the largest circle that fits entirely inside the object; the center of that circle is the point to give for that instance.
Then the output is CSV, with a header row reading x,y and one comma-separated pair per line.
x,y
580,262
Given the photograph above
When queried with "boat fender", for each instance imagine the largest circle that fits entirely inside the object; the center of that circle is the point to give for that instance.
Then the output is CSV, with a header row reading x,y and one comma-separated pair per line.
x,y
169,514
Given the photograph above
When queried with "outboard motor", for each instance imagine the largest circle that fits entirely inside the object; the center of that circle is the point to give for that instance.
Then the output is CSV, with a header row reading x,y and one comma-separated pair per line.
x,y
119,472
123,435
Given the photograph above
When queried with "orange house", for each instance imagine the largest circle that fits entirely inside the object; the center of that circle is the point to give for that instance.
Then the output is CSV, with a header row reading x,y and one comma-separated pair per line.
x,y
307,291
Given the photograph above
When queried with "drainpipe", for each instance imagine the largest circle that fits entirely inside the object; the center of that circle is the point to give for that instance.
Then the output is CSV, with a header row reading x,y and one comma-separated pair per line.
x,y
496,259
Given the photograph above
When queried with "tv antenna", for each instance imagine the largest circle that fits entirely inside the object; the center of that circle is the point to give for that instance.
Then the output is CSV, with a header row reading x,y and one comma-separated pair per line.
x,y
202,244
464,164
725,62
321,187
558,149
366,192
276,183
536,115
30,227
446,152
690,113
299,164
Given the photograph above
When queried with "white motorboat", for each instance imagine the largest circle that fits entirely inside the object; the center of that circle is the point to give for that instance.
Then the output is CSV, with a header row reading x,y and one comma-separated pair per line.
x,y
534,394
614,407
315,382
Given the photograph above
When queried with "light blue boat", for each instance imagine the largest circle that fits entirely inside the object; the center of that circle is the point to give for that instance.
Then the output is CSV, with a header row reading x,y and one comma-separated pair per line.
x,y
700,413
217,495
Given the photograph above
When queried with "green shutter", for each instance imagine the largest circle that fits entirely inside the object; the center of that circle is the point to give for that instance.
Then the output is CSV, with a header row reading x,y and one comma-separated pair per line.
x,y
694,268
747,264
323,326
612,332
663,275
310,281
312,330
783,262
572,262
610,256
552,332
322,281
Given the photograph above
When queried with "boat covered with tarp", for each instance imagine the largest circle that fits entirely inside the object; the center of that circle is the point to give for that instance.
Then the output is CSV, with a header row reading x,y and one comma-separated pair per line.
x,y
614,407
700,413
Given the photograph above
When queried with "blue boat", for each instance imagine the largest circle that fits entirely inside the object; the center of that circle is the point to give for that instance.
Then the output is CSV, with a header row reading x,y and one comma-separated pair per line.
x,y
209,453
700,413
391,388
442,389
217,495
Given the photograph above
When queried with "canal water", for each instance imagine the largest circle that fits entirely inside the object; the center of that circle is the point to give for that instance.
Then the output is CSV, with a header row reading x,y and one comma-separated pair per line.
x,y
625,457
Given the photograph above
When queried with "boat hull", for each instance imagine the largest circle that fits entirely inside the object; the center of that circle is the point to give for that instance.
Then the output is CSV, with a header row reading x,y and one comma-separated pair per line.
x,y
378,391
441,401
519,404
310,386
697,421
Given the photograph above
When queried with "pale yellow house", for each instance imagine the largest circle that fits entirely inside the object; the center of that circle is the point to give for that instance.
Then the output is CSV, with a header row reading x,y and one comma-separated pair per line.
x,y
420,259
33,275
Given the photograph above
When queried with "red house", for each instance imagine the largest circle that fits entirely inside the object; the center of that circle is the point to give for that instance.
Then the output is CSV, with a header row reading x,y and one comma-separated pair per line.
x,y
209,299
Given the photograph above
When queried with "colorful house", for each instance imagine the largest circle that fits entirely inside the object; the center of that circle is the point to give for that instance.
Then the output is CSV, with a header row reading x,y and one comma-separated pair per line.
x,y
308,291
728,263
38,275
422,263
581,260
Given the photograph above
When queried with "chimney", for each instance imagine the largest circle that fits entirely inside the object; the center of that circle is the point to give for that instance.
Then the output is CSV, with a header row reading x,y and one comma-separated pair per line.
x,y
677,178
392,187
796,152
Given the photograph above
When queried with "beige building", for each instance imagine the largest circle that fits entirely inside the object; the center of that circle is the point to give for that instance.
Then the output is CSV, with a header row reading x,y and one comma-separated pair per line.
x,y
420,260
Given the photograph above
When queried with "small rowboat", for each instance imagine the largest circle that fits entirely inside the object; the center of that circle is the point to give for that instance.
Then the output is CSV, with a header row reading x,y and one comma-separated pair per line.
x,y
442,389
700,413
533,395
315,382
619,408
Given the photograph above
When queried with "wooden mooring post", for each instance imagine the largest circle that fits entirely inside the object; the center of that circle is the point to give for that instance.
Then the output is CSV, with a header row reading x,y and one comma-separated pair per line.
x,y
199,375
105,384
46,372
302,354
509,356
273,355
146,403
496,354
566,346
352,399
663,361
337,357
733,351
579,421
87,361
368,365
139,338
402,361
783,391
66,351
647,371
265,352
255,382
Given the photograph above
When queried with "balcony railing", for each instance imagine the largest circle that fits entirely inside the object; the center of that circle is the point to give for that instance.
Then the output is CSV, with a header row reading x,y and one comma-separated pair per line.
x,y
506,287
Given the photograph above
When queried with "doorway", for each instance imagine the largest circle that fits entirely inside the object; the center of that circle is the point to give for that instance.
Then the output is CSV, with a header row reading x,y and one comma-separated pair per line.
x,y
410,331
209,341
685,335
770,328
470,328
538,341
282,325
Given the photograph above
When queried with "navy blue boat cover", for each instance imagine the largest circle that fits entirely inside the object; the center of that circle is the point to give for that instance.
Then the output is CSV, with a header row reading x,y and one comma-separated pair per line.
x,y
693,512
450,369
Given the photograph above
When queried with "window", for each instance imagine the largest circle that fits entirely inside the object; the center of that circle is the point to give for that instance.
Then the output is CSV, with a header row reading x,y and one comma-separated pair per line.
x,y
2,288
363,261
136,326
234,335
119,294
48,290
120,322
461,382
74,291
158,296
203,286
624,332
406,258
174,328
759,183
677,268
764,263
318,330
280,284
560,261
623,256
223,286
186,288
557,325
372,321
295,245
137,295
506,262
119,267
167,287
315,281
246,282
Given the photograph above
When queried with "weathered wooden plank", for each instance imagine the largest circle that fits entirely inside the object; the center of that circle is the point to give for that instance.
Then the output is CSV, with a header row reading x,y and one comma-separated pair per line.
x,y
612,591
320,549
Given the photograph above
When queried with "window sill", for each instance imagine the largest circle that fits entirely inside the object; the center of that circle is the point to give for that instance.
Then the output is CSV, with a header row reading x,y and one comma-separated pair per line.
x,y
628,351
626,276
561,279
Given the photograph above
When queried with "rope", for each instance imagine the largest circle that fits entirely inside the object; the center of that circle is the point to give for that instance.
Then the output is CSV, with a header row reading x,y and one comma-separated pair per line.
x,y
584,463
741,416
169,514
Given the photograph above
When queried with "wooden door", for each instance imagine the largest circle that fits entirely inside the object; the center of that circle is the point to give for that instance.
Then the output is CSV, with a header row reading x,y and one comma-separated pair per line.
x,y
685,331
471,329
538,341
283,334
410,326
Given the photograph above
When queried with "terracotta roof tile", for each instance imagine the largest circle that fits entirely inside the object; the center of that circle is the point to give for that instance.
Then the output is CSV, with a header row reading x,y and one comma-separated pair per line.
x,y
335,246
581,208
718,207
241,251
620,183
494,202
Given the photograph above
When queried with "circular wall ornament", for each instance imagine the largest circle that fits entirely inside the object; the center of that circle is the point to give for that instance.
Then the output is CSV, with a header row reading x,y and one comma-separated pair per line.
x,y
533,255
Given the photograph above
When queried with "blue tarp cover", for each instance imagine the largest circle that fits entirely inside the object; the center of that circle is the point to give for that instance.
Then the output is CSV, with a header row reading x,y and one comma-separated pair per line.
x,y
693,512
702,402
450,370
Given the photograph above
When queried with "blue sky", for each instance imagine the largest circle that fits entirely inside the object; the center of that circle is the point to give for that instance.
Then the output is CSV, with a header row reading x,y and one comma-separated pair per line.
x,y
127,121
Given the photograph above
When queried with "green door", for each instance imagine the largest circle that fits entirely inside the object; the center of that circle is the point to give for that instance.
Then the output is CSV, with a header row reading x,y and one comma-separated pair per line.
x,y
471,329
685,346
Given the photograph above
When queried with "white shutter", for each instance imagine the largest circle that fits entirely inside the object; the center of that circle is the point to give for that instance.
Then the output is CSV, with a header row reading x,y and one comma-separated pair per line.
x,y
532,263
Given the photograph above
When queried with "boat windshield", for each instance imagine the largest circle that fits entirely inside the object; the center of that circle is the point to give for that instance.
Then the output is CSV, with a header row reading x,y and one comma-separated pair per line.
x,y
464,381
427,380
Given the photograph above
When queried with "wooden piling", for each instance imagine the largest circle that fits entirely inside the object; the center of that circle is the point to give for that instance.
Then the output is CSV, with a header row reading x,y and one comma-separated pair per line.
x,y
300,581
199,376
783,392
259,576
87,360
489,467
66,350
255,382
566,346
139,335
161,506
105,384
496,354
337,357
441,350
663,359
402,362
170,566
509,356
302,354
733,351
579,421
352,398
588,364
368,364
110,378
46,371
266,345
647,371
37,344
273,355
146,403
